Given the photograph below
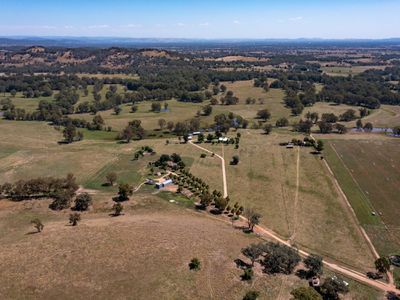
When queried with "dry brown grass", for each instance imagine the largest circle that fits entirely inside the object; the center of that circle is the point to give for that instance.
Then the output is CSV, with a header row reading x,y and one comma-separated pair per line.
x,y
143,254
266,180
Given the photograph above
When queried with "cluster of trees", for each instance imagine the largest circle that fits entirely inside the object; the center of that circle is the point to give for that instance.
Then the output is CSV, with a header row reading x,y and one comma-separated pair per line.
x,y
61,190
229,99
71,134
325,126
274,257
368,127
223,122
133,130
277,258
125,190
142,151
262,82
359,90
292,100
173,161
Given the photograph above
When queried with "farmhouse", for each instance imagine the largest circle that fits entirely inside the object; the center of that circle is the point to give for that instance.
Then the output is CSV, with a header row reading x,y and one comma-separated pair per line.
x,y
160,185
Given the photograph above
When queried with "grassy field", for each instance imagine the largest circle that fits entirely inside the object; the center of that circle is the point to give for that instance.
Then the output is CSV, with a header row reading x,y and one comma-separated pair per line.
x,y
144,254
35,152
32,148
387,116
181,111
369,174
29,104
266,180
153,238
351,70
273,100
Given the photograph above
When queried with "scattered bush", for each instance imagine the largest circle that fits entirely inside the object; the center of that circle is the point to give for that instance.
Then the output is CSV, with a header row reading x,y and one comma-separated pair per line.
x,y
235,160
248,274
118,208
195,264
111,178
82,202
37,224
251,295
74,219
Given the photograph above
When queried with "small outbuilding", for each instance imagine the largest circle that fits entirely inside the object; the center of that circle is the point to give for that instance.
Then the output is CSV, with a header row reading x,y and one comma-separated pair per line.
x,y
289,146
160,185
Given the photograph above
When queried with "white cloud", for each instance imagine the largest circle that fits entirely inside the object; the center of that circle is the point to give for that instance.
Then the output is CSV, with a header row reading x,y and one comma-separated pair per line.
x,y
180,24
205,24
133,25
296,19
68,27
236,22
98,26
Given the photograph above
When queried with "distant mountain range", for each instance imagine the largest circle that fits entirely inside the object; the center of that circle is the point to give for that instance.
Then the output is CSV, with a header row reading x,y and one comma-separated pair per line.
x,y
56,41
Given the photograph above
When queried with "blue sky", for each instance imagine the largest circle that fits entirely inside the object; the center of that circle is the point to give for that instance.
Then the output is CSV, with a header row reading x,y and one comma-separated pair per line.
x,y
202,19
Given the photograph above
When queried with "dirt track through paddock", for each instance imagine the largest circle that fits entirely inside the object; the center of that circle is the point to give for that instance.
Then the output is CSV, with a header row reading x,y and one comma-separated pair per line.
x,y
267,233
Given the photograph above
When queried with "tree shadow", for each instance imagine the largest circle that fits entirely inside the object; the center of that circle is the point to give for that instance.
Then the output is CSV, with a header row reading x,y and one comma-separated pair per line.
x,y
199,206
114,215
242,264
32,232
302,274
215,211
247,230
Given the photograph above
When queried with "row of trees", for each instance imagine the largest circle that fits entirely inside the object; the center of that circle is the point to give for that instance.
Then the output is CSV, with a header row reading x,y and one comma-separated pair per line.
x,y
61,190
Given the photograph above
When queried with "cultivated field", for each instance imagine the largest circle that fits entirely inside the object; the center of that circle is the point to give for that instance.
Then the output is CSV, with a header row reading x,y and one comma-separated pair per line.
x,y
369,174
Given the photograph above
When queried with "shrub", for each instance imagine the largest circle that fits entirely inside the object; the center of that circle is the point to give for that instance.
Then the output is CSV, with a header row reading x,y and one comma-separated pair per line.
x,y
62,200
74,219
282,122
118,208
82,202
248,274
37,224
251,295
124,191
314,264
305,293
111,178
235,160
195,264
267,128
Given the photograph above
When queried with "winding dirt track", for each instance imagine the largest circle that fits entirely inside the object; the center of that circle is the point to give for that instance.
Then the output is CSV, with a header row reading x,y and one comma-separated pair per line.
x,y
267,233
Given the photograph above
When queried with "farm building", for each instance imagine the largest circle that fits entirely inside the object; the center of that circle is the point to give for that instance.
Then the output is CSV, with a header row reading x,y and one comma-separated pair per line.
x,y
160,185
290,146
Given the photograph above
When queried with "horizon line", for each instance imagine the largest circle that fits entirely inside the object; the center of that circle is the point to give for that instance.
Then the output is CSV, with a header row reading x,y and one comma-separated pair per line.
x,y
194,38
